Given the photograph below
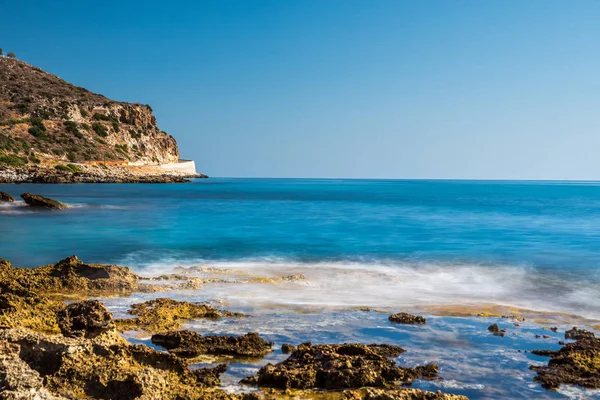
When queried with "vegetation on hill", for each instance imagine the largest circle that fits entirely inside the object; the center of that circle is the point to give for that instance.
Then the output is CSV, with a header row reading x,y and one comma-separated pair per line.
x,y
44,117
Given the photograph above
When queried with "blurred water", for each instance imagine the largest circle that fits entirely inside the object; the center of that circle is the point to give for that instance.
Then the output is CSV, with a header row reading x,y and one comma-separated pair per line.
x,y
379,243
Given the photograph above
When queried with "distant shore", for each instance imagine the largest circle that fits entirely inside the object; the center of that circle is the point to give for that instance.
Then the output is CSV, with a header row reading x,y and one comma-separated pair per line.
x,y
81,173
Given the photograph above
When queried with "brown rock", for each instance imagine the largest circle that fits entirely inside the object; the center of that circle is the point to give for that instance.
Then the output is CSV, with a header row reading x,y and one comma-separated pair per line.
x,y
339,367
166,314
287,348
191,344
578,334
496,330
6,197
405,318
85,319
575,363
35,200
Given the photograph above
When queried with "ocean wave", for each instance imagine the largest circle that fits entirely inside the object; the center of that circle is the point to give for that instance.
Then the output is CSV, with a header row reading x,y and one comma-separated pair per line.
x,y
387,284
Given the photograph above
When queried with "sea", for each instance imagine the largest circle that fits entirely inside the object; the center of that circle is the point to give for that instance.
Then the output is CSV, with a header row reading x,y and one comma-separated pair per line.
x,y
353,251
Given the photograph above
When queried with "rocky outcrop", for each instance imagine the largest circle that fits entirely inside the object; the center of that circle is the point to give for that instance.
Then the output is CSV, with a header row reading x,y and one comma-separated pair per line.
x,y
191,344
86,319
578,334
575,363
165,314
6,197
333,366
287,348
35,200
43,117
399,394
405,318
106,367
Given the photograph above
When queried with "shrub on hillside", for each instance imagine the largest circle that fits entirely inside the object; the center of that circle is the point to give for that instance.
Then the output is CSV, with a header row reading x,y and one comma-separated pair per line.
x,y
12,160
100,129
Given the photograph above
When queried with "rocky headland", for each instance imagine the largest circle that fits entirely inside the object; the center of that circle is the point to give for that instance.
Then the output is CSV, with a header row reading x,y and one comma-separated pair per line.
x,y
54,132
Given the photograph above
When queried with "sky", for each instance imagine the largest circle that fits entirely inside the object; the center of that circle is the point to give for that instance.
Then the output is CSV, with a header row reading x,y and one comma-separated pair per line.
x,y
461,89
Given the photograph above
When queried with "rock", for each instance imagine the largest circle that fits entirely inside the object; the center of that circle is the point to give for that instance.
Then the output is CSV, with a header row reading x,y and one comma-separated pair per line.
x,y
165,314
35,200
85,319
333,366
404,318
400,394
577,334
575,363
191,344
496,330
105,367
6,197
287,348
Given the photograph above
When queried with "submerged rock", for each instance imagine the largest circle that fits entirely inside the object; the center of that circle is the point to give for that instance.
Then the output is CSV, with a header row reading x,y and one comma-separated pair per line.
x,y
575,363
405,318
191,344
165,314
35,200
333,366
6,197
85,319
496,330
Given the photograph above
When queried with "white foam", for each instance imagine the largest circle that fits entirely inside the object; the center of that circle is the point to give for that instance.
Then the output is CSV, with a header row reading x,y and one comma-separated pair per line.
x,y
390,285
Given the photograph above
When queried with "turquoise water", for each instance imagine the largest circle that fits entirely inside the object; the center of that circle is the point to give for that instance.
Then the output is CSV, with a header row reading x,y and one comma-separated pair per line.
x,y
533,244
396,245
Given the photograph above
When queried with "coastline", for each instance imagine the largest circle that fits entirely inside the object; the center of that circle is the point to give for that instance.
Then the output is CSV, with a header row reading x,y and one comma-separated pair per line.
x,y
47,308
82,173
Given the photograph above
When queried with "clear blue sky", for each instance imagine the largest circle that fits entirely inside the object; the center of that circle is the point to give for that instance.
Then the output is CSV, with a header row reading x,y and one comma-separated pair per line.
x,y
500,89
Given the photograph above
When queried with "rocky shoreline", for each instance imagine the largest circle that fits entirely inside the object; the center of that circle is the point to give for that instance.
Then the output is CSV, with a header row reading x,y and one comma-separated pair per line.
x,y
57,343
91,174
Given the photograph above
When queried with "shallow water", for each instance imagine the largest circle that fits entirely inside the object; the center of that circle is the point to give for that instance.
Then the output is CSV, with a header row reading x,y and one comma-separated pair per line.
x,y
386,244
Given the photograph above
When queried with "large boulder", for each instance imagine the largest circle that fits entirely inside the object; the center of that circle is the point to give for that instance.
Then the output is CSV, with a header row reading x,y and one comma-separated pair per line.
x,y
35,200
6,197
86,319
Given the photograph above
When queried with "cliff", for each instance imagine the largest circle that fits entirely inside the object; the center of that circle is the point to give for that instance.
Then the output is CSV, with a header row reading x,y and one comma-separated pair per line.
x,y
46,119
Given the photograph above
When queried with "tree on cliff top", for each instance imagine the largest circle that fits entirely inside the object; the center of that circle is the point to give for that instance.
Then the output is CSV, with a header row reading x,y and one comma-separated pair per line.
x,y
11,55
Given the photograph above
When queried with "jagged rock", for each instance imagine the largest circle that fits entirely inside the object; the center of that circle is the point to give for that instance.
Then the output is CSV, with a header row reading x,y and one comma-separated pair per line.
x,y
72,276
333,366
399,394
191,344
106,366
405,318
85,319
577,334
495,329
165,314
575,363
35,200
287,348
6,197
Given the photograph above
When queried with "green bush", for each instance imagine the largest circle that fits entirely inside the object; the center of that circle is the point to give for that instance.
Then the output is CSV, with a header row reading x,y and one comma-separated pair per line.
x,y
84,113
71,126
74,168
12,160
36,131
71,156
101,117
34,159
115,126
100,129
61,167
11,55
